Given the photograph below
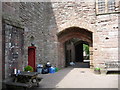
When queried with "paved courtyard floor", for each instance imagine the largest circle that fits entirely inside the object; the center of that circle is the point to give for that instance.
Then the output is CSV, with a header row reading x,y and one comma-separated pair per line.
x,y
78,78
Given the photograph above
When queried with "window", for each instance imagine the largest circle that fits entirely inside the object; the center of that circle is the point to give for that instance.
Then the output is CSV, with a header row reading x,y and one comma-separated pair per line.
x,y
101,5
111,5
105,6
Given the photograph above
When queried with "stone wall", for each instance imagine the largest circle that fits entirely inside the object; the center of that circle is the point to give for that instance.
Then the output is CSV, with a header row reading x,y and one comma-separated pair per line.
x,y
44,20
83,15
80,14
106,37
38,21
74,14
119,41
0,46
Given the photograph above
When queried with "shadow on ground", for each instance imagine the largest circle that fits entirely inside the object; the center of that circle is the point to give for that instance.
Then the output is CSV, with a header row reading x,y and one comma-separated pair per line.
x,y
51,80
81,65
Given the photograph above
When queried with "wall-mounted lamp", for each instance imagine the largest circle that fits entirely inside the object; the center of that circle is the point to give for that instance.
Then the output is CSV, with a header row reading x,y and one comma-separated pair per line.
x,y
32,41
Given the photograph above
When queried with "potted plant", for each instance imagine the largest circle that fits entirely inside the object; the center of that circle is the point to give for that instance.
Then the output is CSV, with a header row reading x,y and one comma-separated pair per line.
x,y
28,69
97,70
103,69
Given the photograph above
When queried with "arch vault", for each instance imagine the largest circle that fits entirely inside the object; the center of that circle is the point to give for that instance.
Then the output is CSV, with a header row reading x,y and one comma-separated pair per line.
x,y
70,33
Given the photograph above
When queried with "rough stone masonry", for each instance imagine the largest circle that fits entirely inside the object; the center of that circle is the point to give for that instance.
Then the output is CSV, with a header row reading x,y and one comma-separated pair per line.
x,y
44,20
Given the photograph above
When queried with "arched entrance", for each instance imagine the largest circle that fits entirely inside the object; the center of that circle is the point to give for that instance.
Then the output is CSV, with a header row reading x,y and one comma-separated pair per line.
x,y
72,42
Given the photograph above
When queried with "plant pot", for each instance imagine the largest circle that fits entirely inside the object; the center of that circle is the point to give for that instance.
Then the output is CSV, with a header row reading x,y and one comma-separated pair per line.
x,y
97,71
103,71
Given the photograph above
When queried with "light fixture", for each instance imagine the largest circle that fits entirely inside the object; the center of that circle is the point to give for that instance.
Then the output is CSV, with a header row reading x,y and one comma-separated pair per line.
x,y
32,41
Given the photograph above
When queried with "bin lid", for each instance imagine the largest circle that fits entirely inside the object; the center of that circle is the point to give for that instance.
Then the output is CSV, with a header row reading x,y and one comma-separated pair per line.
x,y
39,65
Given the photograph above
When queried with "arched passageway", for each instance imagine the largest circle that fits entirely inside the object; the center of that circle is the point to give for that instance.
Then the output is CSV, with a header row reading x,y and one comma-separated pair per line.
x,y
71,46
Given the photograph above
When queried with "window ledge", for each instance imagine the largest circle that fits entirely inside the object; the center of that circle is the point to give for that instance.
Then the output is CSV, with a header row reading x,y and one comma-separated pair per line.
x,y
107,13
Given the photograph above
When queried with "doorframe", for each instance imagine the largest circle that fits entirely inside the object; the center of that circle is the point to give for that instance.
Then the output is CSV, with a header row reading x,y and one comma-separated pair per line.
x,y
32,47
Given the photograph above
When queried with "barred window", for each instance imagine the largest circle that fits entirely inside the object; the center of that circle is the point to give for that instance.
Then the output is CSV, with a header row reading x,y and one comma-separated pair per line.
x,y
105,6
111,5
101,5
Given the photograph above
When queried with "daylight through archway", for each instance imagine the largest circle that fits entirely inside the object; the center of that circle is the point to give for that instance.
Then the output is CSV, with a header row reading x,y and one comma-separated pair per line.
x,y
75,45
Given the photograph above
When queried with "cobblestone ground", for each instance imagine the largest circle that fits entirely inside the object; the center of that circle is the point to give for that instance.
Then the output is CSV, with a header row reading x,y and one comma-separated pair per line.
x,y
78,78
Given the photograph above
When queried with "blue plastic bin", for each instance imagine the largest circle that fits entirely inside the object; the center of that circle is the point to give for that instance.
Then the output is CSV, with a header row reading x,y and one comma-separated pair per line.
x,y
51,70
39,68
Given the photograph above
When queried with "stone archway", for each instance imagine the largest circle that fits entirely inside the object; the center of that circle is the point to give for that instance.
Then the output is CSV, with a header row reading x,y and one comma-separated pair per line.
x,y
69,33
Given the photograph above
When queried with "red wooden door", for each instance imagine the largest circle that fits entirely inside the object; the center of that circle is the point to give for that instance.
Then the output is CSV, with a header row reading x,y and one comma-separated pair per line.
x,y
31,57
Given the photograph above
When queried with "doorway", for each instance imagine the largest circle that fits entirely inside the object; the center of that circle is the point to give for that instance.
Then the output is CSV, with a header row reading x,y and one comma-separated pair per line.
x,y
82,54
79,53
31,57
